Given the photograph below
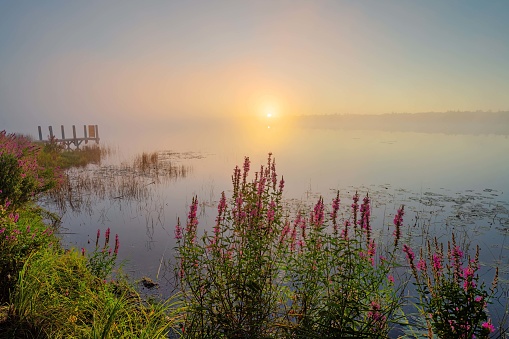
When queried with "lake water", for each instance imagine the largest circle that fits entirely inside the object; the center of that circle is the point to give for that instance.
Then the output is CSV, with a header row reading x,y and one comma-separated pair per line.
x,y
449,183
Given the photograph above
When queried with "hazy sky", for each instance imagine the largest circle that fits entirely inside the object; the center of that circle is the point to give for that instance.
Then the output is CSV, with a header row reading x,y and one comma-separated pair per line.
x,y
90,61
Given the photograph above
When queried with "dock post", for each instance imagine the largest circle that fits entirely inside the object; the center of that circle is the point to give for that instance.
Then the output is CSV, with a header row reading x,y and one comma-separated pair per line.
x,y
85,133
74,141
40,133
51,133
63,133
96,134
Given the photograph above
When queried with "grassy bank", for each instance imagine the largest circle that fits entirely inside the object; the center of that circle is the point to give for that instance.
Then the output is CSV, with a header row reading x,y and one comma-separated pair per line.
x,y
47,291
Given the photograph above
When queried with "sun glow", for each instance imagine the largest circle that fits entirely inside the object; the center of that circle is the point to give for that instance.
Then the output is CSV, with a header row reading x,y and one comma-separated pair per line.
x,y
270,111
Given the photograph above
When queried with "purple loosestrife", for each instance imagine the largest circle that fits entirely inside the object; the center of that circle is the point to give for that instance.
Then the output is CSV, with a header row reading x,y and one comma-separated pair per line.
x,y
365,217
269,166
371,251
117,244
107,237
355,209
409,253
236,181
192,221
300,222
284,233
247,164
421,265
410,257
455,255
488,326
97,237
334,213
398,222
317,217
344,232
274,175
221,208
14,217
390,277
293,238
178,230
271,212
375,313
437,263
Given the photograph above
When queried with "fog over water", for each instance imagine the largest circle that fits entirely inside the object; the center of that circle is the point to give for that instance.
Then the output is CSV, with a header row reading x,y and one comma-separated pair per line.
x,y
451,182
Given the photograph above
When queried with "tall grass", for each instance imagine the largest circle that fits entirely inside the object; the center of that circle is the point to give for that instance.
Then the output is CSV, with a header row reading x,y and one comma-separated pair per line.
x,y
57,296
130,180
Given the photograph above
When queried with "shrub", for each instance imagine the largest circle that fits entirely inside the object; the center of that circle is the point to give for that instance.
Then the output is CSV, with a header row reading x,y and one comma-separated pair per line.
x,y
21,178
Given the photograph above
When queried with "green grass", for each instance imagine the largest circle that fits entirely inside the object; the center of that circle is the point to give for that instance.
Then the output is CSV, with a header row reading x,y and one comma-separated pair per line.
x,y
50,292
53,155
57,296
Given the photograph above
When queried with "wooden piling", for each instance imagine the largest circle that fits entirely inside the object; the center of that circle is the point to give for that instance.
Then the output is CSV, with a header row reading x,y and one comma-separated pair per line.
x,y
91,133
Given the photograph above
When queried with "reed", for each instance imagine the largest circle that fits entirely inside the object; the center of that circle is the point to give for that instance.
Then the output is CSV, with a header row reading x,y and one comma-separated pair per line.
x,y
129,180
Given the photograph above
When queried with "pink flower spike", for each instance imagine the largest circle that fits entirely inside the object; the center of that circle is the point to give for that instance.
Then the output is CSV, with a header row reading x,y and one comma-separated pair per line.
x,y
117,244
390,278
409,253
489,326
97,237
107,235
178,231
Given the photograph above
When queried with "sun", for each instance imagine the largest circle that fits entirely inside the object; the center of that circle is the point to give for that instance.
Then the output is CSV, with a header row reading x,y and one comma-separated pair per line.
x,y
270,111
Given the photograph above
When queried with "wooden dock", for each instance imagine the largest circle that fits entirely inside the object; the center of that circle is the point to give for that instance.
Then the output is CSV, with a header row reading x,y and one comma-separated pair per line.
x,y
90,133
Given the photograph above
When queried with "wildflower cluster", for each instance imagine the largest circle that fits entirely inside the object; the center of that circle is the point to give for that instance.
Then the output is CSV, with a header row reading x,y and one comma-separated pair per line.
x,y
21,178
262,274
453,301
103,258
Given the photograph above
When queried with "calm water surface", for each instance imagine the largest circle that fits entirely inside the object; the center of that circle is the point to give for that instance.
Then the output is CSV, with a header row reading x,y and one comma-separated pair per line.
x,y
449,183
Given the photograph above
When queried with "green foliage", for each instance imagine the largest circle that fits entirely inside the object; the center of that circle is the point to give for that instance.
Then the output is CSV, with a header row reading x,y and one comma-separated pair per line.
x,y
261,276
22,233
21,177
58,297
46,292
53,155
102,260
452,300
